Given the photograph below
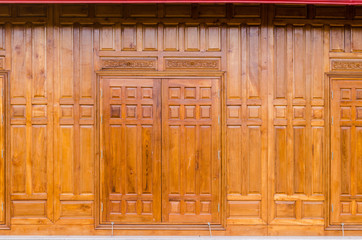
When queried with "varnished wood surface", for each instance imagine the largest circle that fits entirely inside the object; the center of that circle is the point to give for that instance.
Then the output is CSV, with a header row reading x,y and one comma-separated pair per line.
x,y
128,106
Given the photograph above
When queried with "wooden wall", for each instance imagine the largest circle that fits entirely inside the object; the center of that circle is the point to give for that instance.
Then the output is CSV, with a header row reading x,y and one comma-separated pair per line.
x,y
275,115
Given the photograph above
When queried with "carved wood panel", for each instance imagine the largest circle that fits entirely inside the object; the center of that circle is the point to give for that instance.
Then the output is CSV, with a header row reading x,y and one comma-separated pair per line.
x,y
131,154
298,129
191,160
346,140
30,127
74,125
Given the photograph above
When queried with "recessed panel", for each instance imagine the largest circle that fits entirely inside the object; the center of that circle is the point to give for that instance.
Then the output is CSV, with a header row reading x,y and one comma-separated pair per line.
x,y
116,111
190,112
346,94
147,111
174,92
190,92
346,208
233,112
285,209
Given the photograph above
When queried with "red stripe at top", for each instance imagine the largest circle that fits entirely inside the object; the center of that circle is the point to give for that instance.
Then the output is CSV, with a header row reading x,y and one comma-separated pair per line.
x,y
343,2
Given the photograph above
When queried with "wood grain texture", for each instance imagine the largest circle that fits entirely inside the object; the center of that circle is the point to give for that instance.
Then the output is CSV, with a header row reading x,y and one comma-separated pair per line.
x,y
117,113
345,145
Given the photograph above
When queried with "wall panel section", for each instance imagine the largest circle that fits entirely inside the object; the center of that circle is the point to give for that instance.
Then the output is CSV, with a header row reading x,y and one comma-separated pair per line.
x,y
74,124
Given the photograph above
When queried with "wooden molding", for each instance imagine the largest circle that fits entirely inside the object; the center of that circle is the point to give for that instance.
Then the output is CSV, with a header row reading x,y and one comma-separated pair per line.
x,y
192,64
346,65
129,63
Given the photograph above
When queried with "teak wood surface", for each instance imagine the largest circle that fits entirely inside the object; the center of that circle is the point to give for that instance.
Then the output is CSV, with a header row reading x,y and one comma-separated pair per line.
x,y
165,118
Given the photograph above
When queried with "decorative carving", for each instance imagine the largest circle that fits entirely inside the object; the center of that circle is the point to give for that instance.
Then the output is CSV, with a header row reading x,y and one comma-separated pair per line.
x,y
129,63
355,65
192,64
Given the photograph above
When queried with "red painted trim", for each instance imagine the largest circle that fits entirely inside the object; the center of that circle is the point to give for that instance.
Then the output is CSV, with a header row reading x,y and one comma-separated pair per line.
x,y
343,2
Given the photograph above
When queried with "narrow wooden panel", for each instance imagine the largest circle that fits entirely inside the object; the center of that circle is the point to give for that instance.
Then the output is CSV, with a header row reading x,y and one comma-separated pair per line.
x,y
299,159
18,159
147,164
149,37
205,159
131,160
233,67
39,159
356,33
190,156
66,159
117,164
317,159
66,61
18,52
281,167
255,164
2,37
86,59
345,160
234,138
39,84
86,138
171,39
337,41
253,83
174,159
107,40
192,38
317,62
129,40
299,63
213,38
358,164
280,62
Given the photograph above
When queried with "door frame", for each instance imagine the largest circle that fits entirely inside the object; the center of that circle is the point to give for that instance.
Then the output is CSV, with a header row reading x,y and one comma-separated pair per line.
x,y
163,75
330,77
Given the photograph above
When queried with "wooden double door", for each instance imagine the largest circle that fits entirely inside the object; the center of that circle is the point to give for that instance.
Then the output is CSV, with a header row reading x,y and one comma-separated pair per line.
x,y
160,151
346,152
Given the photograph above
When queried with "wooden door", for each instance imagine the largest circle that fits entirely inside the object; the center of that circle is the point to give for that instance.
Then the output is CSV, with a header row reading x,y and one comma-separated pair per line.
x,y
346,147
190,144
130,150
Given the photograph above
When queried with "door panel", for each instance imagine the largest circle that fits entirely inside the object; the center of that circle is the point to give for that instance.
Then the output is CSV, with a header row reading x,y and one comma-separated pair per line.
x,y
190,164
2,149
346,147
130,141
